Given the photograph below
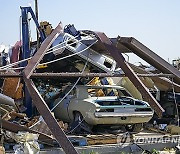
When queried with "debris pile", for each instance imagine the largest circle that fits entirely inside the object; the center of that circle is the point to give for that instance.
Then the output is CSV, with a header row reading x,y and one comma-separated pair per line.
x,y
77,81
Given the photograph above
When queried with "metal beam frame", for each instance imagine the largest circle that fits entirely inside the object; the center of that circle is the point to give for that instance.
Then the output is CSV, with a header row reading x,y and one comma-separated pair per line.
x,y
117,55
50,120
157,79
41,104
42,50
37,98
149,56
78,74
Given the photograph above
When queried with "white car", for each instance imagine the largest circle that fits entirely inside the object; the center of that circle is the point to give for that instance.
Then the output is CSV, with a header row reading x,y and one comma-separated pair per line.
x,y
102,105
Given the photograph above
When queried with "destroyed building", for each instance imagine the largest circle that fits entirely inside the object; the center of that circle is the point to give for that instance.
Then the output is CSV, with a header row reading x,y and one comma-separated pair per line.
x,y
72,82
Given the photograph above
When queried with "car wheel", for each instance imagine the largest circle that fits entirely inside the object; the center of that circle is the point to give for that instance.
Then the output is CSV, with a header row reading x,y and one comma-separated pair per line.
x,y
134,127
79,125
170,109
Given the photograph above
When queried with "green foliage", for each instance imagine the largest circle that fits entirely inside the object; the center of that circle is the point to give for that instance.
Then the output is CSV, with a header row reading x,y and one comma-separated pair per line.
x,y
154,151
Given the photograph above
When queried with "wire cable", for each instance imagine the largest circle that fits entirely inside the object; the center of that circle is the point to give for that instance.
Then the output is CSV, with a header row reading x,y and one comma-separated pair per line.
x,y
177,111
13,64
20,27
71,131
63,43
8,68
18,62
14,68
65,95
70,89
68,55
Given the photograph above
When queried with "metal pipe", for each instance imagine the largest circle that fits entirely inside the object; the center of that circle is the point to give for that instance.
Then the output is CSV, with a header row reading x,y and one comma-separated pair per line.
x,y
6,100
36,13
78,74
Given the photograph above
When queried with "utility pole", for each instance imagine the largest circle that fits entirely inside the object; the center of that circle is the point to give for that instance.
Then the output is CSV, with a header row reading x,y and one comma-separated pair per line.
x,y
36,12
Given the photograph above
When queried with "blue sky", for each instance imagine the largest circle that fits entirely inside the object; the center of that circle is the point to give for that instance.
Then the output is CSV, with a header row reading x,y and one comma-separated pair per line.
x,y
156,23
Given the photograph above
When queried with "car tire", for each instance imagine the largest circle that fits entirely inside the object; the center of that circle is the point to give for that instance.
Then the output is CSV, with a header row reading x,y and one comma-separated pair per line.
x,y
79,125
134,127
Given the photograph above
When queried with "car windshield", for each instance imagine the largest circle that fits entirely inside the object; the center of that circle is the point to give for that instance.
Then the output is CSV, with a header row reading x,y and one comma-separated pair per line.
x,y
108,102
120,101
101,92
